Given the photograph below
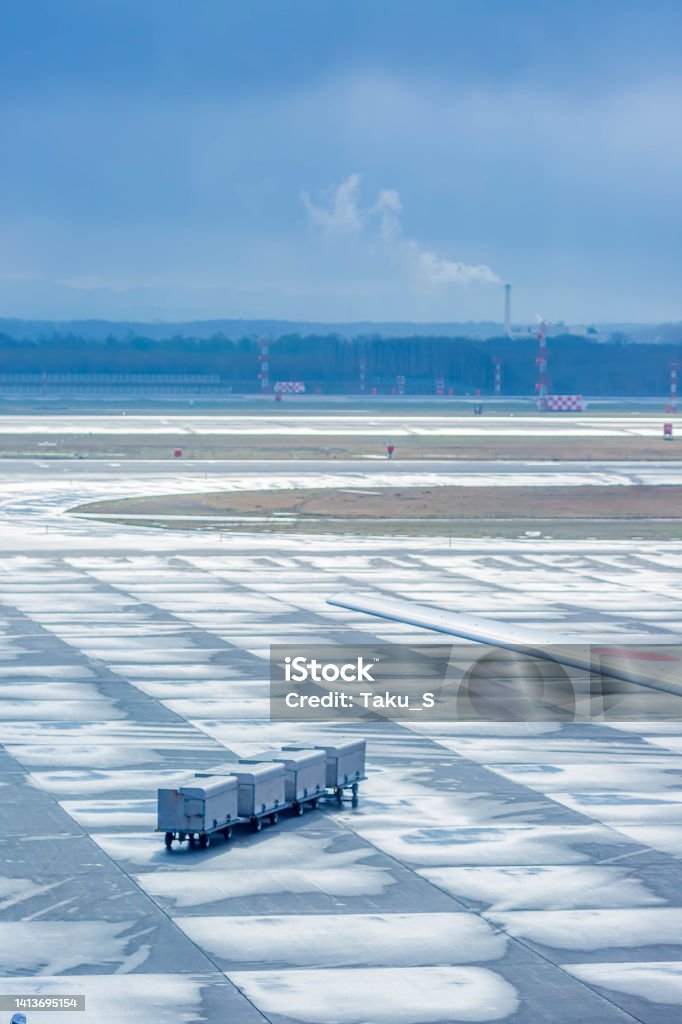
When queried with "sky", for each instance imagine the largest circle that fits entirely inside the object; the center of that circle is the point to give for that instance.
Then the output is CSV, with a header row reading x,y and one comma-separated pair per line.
x,y
341,160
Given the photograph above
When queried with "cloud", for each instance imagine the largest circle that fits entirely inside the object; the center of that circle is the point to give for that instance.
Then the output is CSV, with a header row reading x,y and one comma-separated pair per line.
x,y
388,208
341,214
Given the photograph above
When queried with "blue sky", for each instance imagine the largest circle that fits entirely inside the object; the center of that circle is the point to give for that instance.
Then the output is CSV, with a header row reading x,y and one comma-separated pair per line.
x,y
341,160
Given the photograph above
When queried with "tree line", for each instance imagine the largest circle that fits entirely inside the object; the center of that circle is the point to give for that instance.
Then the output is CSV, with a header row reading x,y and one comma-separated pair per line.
x,y
335,364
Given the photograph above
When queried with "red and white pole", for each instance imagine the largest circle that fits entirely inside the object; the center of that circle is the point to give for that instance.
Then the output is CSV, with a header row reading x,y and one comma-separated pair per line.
x,y
542,386
264,374
498,376
673,387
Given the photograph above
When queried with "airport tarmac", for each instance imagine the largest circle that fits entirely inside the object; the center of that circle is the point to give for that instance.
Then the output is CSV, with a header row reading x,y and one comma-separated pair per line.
x,y
511,872
300,424
296,472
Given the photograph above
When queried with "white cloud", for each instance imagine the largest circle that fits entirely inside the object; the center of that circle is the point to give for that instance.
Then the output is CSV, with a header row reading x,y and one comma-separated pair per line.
x,y
341,214
388,208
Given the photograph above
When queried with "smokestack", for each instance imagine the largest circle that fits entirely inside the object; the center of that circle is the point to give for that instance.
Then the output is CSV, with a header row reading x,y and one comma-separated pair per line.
x,y
507,310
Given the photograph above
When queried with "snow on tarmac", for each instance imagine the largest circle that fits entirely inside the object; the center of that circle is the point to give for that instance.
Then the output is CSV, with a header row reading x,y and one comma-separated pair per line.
x,y
482,860
318,940
189,889
546,887
594,929
505,845
427,995
655,982
59,947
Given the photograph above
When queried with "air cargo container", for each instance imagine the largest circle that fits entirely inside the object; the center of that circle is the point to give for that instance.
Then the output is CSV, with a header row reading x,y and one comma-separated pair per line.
x,y
257,788
305,778
345,762
261,791
196,809
345,766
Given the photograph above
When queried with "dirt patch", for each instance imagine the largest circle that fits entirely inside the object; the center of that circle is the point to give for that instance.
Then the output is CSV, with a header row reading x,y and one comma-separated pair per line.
x,y
414,503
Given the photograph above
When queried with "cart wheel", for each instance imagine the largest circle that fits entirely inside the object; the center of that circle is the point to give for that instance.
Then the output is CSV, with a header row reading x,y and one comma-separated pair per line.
x,y
313,803
203,841
339,795
298,808
168,840
274,818
192,842
354,802
256,824
227,833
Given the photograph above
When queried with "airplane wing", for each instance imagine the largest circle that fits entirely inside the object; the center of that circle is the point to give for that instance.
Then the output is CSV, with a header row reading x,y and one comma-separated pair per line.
x,y
654,662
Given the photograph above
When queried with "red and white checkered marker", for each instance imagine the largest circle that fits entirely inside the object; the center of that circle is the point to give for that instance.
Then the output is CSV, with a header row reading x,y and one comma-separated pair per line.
x,y
290,387
562,403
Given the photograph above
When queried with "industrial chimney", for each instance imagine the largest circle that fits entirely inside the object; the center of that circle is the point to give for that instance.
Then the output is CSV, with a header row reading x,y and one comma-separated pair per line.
x,y
507,310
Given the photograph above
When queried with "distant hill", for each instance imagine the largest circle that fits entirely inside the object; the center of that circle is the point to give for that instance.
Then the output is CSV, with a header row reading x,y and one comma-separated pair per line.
x,y
100,330
652,334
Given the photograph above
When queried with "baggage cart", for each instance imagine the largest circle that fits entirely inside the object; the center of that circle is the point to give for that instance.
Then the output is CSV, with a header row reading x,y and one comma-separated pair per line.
x,y
305,778
261,792
196,809
258,788
345,767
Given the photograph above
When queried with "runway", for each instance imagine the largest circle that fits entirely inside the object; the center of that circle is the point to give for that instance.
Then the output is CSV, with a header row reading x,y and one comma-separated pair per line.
x,y
490,873
463,472
301,424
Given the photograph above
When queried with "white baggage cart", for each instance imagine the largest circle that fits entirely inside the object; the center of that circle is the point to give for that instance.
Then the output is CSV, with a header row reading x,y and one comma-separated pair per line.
x,y
258,788
345,766
261,792
196,809
305,778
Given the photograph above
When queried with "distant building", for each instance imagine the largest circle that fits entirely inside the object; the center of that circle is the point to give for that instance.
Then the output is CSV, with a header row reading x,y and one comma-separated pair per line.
x,y
557,329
